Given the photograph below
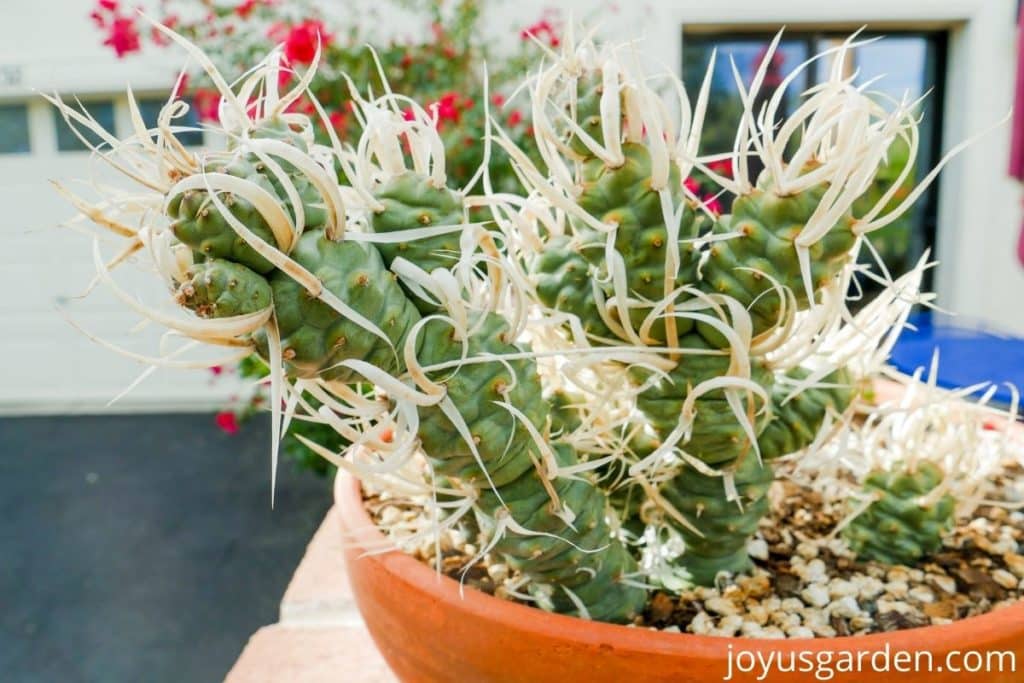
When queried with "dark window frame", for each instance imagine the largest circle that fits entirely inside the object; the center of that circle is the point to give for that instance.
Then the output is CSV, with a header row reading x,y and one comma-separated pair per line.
x,y
25,148
935,70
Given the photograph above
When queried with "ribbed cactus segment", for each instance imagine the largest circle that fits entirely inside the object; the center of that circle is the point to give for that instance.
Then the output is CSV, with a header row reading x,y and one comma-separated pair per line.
x,y
219,289
725,525
314,336
716,436
622,196
564,283
198,223
563,555
795,423
554,551
768,224
411,200
900,527
503,442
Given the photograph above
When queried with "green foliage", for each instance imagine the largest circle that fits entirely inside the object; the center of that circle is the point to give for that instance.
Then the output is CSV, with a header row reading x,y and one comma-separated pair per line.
x,y
903,524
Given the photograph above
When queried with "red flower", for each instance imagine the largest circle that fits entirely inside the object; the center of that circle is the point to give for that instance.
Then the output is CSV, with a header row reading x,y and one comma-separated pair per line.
x,y
157,36
712,204
722,167
216,369
123,36
245,8
98,19
227,421
109,5
301,42
448,108
206,103
541,30
406,61
497,99
181,86
515,118
338,120
692,185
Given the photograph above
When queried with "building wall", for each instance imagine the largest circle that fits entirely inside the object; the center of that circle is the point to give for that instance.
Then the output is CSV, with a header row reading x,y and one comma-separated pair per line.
x,y
46,365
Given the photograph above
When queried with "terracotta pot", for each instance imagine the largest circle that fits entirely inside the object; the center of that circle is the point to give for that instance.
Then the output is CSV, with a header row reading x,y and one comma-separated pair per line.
x,y
428,629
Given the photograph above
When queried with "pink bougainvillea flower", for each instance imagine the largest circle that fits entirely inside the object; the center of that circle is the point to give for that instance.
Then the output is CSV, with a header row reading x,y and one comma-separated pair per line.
x,y
515,118
216,369
245,8
338,120
109,5
722,167
448,108
301,42
227,421
497,99
692,185
712,203
157,36
98,19
206,103
123,36
542,30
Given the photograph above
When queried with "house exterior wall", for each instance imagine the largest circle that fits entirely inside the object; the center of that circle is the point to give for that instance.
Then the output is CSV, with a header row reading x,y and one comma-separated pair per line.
x,y
46,365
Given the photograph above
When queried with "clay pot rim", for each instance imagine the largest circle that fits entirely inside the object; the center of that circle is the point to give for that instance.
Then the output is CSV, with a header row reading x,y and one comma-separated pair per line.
x,y
964,634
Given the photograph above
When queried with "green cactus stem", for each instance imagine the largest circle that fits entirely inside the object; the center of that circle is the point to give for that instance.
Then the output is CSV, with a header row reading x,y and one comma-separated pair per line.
x,y
899,527
745,266
725,525
795,422
218,289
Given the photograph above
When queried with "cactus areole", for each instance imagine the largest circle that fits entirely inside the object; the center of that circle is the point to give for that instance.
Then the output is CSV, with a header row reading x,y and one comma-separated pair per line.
x,y
592,380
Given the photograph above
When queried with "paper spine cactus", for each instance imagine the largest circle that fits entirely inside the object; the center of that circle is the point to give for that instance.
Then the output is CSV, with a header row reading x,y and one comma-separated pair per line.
x,y
902,525
422,323
256,246
639,264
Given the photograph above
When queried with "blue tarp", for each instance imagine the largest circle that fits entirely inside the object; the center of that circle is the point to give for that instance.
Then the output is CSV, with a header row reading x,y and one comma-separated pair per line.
x,y
968,353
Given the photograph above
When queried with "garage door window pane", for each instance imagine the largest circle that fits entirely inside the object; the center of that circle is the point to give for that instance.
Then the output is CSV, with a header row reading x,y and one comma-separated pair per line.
x,y
150,108
14,129
67,141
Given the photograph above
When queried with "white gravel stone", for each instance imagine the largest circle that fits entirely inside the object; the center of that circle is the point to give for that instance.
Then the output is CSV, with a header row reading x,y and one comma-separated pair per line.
x,y
773,633
807,550
719,605
497,571
1015,563
815,594
702,624
815,572
758,614
922,594
791,605
800,632
752,629
946,584
898,574
730,625
840,588
869,587
1004,579
846,607
862,622
897,589
758,549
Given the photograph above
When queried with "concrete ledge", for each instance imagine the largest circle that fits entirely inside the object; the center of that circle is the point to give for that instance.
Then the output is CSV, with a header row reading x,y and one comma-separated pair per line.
x,y
308,654
320,637
319,593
